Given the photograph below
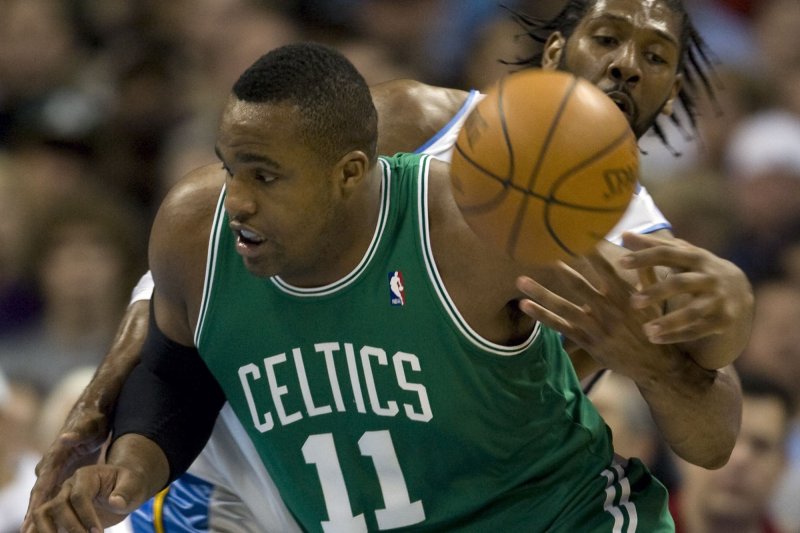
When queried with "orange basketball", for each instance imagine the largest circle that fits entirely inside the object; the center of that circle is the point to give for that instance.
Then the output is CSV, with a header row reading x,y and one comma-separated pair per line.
x,y
545,166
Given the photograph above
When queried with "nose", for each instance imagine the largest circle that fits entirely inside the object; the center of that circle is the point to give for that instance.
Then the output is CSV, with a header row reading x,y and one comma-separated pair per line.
x,y
624,67
239,201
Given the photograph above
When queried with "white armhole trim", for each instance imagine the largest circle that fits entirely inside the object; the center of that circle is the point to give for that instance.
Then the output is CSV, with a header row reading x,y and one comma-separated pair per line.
x,y
433,274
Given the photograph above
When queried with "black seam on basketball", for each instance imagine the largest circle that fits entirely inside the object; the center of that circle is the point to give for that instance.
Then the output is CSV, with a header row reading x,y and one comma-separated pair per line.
x,y
513,235
552,232
586,162
551,130
492,202
506,137
507,184
552,202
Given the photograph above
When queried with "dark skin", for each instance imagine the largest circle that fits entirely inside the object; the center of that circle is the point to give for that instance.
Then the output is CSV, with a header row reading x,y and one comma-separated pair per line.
x,y
261,200
710,329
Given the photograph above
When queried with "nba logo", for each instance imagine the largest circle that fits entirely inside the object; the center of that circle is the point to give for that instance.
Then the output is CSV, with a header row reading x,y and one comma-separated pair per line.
x,y
397,296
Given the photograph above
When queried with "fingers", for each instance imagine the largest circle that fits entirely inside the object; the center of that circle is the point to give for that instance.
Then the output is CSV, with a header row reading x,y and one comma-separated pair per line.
x,y
94,497
699,316
647,277
126,493
50,471
59,463
699,319
69,511
558,313
543,313
658,251
641,241
691,283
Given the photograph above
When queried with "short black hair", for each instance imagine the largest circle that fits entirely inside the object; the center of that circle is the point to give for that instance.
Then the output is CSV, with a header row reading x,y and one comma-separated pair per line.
x,y
696,62
760,385
332,96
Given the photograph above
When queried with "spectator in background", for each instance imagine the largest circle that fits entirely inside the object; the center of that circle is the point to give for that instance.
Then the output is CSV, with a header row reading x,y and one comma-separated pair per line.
x,y
209,42
790,261
762,161
774,349
19,300
698,204
18,408
776,24
88,252
737,497
50,170
38,57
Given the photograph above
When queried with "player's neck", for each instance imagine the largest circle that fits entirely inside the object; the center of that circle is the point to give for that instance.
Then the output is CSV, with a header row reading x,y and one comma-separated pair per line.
x,y
347,238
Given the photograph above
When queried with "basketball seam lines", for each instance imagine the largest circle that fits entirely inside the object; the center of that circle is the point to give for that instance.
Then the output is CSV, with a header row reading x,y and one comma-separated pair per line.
x,y
513,236
548,204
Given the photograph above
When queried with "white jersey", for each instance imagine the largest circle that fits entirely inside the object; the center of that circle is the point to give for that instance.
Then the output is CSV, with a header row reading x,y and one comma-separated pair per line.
x,y
642,215
229,460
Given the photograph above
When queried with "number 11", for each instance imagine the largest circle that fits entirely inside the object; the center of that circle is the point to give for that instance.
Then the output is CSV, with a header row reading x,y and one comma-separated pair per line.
x,y
400,511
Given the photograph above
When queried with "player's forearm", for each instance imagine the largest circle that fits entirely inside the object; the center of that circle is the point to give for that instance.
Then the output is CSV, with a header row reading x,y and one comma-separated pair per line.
x,y
102,392
698,411
172,398
143,457
721,349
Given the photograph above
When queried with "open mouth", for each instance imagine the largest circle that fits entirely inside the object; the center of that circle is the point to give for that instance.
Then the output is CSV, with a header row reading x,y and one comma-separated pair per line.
x,y
624,103
247,240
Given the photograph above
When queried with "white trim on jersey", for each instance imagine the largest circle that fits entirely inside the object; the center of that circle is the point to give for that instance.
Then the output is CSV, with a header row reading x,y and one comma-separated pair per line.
x,y
642,216
144,289
618,492
438,284
441,144
230,460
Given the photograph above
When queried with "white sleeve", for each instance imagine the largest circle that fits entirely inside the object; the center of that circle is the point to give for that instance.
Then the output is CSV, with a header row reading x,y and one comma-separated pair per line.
x,y
144,289
231,463
642,216
441,145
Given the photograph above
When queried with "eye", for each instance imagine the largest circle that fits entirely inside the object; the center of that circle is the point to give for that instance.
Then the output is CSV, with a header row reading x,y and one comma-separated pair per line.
x,y
265,178
605,40
655,58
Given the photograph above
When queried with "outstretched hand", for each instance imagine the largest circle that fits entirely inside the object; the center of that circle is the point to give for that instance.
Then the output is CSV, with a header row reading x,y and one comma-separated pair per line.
x,y
79,443
696,409
589,303
94,498
706,298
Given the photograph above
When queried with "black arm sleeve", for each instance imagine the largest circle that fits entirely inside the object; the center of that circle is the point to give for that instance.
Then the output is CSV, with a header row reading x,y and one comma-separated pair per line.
x,y
170,397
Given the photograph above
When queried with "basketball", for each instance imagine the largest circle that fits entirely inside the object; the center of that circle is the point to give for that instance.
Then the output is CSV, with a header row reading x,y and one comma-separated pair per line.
x,y
544,167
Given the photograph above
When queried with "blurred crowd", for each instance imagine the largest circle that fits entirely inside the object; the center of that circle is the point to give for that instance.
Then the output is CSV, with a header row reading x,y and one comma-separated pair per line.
x,y
104,104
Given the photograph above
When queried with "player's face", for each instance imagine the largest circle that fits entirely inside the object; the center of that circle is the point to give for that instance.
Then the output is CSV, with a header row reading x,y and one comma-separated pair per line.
x,y
743,487
281,197
631,50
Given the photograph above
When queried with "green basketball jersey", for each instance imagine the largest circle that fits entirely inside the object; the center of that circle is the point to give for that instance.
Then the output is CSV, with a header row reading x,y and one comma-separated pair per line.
x,y
375,406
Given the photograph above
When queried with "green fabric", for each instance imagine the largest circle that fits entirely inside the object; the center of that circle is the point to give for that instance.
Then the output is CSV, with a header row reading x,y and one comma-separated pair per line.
x,y
379,415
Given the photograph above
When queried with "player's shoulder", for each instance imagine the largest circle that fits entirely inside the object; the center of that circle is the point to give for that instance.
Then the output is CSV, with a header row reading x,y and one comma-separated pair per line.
x,y
411,112
192,200
196,188
183,222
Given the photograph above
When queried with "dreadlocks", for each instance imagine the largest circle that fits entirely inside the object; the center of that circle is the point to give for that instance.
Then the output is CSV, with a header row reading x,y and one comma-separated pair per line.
x,y
696,60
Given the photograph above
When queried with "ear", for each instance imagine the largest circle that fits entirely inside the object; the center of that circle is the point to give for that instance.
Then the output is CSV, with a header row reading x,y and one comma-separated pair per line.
x,y
553,50
351,169
676,88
